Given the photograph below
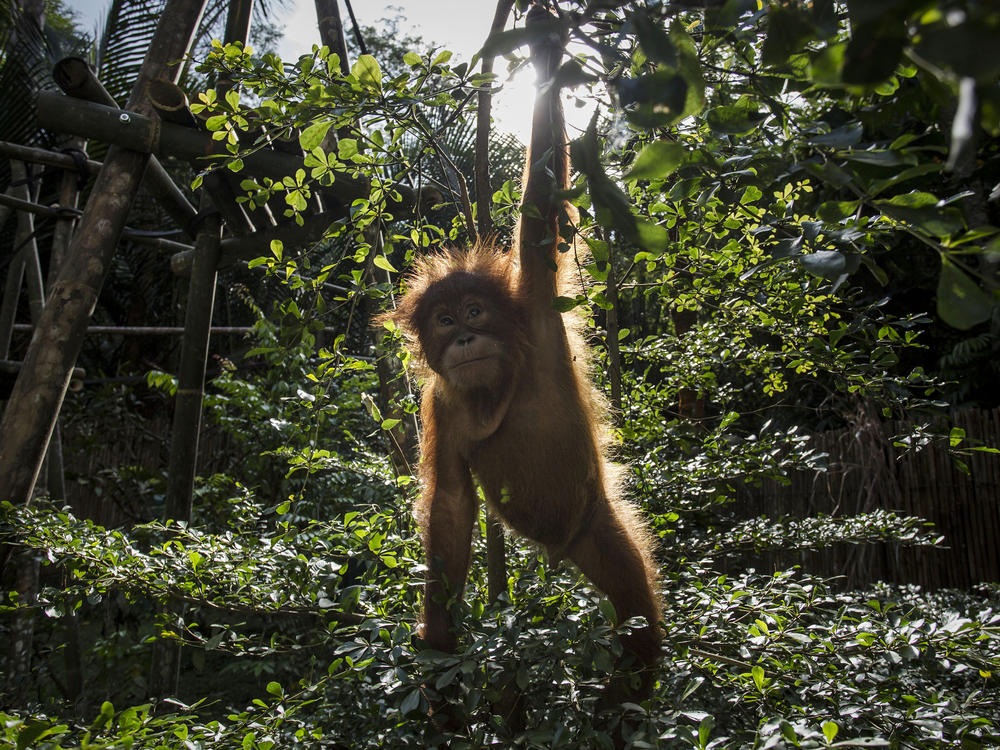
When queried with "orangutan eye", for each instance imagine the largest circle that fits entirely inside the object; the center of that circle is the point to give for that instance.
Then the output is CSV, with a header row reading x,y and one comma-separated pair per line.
x,y
473,311
446,320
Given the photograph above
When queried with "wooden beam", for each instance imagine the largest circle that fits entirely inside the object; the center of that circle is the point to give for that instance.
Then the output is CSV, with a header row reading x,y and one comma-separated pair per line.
x,y
43,156
141,133
60,212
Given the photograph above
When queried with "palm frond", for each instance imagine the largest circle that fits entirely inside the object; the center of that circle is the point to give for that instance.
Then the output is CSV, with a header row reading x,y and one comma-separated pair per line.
x,y
25,69
128,31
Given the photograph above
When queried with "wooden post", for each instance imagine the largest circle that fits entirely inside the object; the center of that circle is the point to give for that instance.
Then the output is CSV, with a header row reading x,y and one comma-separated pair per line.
x,y
200,303
191,374
23,563
38,393
198,324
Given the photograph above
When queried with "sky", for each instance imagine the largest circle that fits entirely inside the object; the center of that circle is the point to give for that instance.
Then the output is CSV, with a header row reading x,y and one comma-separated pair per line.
x,y
458,25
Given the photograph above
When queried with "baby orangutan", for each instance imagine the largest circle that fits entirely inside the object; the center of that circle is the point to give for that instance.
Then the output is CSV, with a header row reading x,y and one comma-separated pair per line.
x,y
509,400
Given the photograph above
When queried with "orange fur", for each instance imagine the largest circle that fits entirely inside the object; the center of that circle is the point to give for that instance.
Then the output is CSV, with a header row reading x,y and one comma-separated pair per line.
x,y
508,398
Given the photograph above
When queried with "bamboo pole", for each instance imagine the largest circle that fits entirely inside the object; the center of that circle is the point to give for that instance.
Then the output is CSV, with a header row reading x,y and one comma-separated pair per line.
x,y
38,393
200,302
11,295
69,193
191,375
24,267
45,157
171,103
67,213
235,249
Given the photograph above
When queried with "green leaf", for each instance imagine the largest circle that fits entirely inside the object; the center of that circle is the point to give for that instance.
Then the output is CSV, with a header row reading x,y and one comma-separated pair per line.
x,y
830,730
877,186
654,100
367,71
915,199
654,40
836,210
842,137
412,59
442,57
693,684
502,42
740,118
651,237
346,148
879,158
690,67
565,304
705,727
608,609
960,301
788,29
382,262
657,159
917,210
313,136
874,51
34,730
611,204
410,703
274,688
827,264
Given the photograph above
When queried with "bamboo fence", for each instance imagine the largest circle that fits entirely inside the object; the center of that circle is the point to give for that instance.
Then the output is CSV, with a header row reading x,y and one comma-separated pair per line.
x,y
866,472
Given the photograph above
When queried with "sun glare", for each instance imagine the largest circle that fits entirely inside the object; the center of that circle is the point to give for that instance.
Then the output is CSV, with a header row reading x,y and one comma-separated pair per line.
x,y
512,106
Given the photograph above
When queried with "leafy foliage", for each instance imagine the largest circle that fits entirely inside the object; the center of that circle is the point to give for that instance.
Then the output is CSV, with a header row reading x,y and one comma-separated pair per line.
x,y
790,218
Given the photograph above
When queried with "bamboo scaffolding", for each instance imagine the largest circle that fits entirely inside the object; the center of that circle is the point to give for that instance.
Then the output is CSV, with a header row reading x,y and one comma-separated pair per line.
x,y
76,78
24,266
61,212
33,407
